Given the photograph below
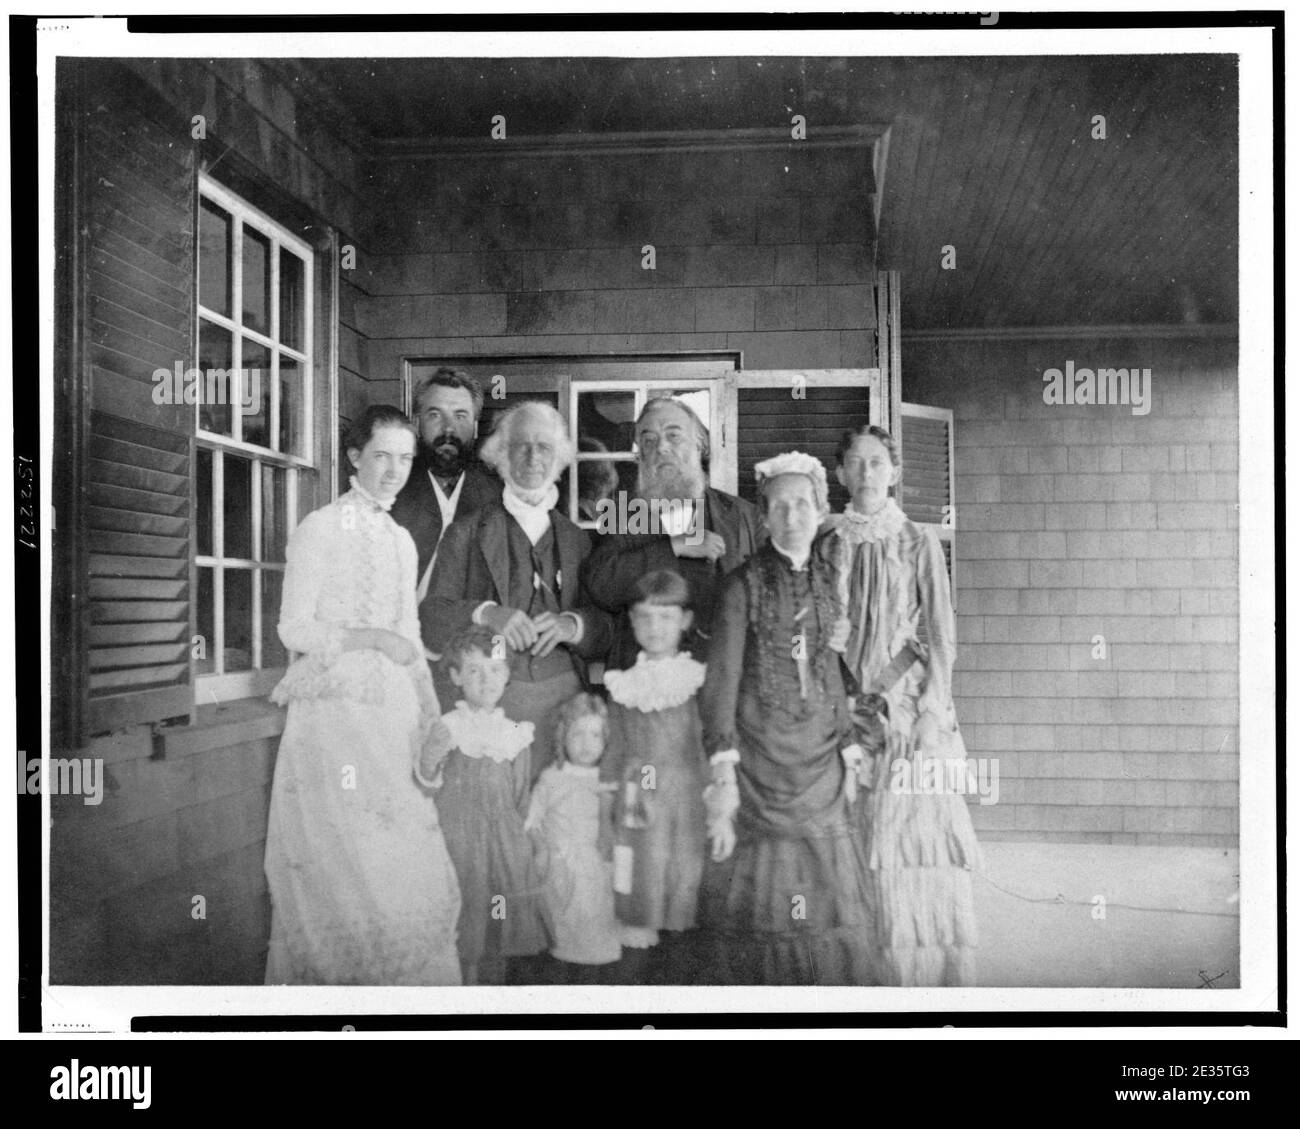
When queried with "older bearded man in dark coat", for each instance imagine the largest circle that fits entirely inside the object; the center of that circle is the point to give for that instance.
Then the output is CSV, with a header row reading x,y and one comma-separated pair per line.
x,y
711,532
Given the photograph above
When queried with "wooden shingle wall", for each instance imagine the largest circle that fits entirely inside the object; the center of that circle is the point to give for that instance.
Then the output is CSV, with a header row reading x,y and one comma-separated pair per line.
x,y
1084,523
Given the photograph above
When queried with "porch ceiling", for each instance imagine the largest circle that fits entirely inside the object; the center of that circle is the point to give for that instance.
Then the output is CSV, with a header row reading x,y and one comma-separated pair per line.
x,y
993,156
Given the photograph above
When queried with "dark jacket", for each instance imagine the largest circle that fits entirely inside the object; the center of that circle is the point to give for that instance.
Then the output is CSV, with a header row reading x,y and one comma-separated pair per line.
x,y
473,566
619,560
416,508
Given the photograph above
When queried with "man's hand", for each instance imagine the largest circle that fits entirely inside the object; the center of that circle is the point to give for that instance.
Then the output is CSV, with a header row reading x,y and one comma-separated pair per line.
x,y
709,547
552,630
512,625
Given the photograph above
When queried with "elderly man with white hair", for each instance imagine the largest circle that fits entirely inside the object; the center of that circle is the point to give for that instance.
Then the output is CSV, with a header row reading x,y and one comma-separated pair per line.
x,y
513,565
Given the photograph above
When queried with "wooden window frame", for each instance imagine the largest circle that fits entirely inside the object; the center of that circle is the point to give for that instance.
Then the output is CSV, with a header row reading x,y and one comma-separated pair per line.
x,y
222,685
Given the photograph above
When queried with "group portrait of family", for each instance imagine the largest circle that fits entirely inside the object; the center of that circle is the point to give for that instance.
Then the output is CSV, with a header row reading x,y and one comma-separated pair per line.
x,y
458,800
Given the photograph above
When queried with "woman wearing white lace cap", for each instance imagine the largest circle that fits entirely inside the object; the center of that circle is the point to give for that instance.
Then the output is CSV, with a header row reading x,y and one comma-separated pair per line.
x,y
785,899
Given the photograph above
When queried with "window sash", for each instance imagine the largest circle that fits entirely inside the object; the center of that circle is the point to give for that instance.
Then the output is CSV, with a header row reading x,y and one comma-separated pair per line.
x,y
642,389
221,684
244,215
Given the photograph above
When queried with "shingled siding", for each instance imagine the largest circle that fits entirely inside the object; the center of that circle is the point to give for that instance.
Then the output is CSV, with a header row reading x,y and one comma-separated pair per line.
x,y
768,250
183,815
1081,521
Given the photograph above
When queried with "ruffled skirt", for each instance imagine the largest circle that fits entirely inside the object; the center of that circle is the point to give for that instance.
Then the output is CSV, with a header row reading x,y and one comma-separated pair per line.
x,y
921,849
789,911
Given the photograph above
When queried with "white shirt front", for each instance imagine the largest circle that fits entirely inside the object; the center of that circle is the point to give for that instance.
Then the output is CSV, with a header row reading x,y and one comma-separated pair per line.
x,y
447,504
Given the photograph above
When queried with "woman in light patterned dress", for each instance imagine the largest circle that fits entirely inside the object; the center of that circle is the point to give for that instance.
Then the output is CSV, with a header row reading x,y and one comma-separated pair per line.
x,y
918,835
362,889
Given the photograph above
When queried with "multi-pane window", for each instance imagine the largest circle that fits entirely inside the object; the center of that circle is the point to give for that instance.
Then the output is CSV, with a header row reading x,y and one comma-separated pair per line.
x,y
254,434
602,415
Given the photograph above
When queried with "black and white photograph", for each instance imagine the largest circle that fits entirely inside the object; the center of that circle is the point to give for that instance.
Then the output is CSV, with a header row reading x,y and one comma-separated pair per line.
x,y
613,521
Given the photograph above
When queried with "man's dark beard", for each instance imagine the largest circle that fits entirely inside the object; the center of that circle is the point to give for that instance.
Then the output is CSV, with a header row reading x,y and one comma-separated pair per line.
x,y
445,463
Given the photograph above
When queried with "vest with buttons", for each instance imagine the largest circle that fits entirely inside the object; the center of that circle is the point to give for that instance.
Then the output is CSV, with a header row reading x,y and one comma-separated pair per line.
x,y
535,588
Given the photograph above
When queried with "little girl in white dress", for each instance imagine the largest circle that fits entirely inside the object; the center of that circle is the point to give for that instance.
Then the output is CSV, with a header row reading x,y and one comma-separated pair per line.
x,y
569,814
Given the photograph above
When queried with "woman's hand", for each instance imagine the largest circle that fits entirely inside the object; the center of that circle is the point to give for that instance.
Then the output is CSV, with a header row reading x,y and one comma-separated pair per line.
x,y
397,647
722,840
852,755
721,802
850,783
925,733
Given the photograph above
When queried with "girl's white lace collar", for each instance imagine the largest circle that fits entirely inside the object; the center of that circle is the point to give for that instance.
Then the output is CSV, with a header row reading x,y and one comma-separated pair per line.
x,y
655,684
369,500
858,527
487,733
581,771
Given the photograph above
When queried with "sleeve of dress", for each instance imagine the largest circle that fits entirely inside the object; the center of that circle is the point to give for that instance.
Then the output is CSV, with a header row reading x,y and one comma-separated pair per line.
x,y
538,801
940,624
721,691
754,524
522,765
614,758
312,547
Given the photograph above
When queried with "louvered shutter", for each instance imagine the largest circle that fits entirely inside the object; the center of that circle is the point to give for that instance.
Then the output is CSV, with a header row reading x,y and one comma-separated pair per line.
x,y
137,208
926,493
809,411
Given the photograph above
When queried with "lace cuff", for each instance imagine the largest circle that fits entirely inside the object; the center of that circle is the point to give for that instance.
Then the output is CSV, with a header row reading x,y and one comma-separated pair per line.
x,y
321,642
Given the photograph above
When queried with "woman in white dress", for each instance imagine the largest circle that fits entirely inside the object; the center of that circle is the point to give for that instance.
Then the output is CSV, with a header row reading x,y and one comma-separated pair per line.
x,y
362,888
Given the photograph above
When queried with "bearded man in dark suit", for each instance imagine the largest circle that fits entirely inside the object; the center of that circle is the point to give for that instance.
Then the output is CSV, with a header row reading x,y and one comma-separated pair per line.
x,y
711,533
446,482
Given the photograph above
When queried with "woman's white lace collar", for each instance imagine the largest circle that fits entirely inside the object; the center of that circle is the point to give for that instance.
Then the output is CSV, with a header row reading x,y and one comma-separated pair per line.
x,y
487,733
369,500
858,527
655,684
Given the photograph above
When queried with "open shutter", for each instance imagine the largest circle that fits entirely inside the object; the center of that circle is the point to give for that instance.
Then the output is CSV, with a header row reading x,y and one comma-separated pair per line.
x,y
926,490
137,188
801,410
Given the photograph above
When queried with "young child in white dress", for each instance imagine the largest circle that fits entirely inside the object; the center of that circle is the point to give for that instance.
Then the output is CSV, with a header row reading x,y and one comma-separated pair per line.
x,y
568,814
